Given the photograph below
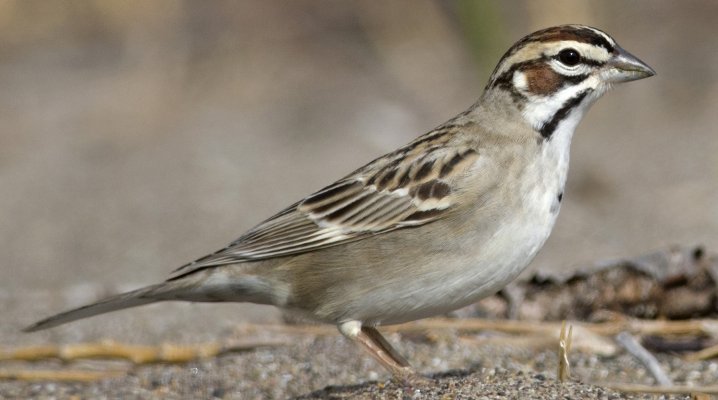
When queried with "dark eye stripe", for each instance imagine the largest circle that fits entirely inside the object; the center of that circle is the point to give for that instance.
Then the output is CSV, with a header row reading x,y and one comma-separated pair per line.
x,y
505,80
584,60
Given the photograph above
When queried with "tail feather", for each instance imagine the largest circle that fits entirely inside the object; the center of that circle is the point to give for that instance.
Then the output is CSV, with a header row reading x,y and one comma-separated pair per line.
x,y
146,295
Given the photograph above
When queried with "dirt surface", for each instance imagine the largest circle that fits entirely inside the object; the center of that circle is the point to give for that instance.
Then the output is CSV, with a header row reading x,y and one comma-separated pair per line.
x,y
275,360
329,367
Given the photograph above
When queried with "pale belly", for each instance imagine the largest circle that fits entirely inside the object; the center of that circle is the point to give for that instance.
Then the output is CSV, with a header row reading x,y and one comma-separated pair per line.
x,y
463,280
462,275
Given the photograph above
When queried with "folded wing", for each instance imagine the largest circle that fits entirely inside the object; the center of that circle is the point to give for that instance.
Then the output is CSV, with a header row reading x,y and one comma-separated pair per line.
x,y
410,187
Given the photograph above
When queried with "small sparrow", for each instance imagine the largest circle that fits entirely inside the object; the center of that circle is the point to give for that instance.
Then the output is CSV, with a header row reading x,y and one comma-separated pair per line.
x,y
438,224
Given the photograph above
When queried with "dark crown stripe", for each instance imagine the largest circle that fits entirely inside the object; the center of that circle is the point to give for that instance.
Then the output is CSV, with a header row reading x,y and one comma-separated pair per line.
x,y
578,34
590,36
549,127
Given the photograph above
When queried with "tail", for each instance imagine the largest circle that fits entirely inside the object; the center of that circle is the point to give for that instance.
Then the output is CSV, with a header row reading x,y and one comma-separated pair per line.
x,y
145,295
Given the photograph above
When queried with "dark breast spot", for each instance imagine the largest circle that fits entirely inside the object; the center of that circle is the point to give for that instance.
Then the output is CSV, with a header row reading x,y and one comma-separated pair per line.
x,y
556,203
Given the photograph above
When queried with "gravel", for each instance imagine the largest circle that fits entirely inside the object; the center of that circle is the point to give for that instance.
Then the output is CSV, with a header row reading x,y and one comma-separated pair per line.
x,y
328,367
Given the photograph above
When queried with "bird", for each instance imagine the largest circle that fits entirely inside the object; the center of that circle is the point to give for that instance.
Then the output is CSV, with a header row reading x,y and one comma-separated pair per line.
x,y
449,218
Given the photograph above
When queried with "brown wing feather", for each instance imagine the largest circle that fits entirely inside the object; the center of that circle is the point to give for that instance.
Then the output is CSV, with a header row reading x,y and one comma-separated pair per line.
x,y
409,187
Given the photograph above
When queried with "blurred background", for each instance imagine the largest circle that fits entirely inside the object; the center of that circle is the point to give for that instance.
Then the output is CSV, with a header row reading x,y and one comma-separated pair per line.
x,y
138,135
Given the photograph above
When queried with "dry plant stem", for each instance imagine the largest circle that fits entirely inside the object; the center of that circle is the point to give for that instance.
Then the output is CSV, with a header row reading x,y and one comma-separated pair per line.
x,y
564,347
134,353
582,340
645,357
707,327
530,341
705,354
172,353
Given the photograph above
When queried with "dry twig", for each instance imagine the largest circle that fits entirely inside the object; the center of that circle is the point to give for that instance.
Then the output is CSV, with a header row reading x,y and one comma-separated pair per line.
x,y
645,357
705,354
592,338
137,354
564,347
708,327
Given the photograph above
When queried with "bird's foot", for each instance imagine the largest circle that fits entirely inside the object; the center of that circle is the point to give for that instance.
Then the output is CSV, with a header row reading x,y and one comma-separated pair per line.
x,y
411,379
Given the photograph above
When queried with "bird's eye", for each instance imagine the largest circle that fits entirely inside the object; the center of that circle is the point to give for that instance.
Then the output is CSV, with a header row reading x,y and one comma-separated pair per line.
x,y
569,57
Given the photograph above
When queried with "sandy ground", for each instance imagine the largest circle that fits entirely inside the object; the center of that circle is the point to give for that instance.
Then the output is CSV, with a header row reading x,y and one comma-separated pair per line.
x,y
330,368
137,138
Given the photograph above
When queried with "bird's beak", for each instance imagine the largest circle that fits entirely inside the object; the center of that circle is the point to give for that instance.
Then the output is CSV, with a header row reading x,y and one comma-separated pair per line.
x,y
625,67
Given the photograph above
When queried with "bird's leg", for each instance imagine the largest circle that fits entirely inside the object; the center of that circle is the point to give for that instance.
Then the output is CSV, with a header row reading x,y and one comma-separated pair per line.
x,y
377,338
375,344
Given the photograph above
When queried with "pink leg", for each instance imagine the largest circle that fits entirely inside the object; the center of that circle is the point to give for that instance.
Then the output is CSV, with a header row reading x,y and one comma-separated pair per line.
x,y
374,343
